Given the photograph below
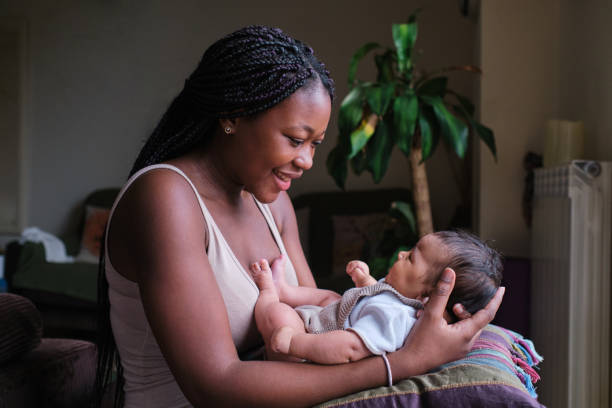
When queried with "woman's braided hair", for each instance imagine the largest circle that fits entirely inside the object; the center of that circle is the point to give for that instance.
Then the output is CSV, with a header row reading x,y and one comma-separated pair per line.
x,y
242,74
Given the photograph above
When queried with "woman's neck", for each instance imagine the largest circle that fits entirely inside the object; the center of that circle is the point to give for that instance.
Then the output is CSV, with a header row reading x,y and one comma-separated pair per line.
x,y
212,179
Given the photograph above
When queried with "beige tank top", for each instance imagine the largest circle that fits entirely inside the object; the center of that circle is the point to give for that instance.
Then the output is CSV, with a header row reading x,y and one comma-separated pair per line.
x,y
148,380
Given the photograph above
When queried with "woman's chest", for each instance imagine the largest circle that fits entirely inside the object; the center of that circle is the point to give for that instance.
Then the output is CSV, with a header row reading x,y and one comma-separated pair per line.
x,y
246,236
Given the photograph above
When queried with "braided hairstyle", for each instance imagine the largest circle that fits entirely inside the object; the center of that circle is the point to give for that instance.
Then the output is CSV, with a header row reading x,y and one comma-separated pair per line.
x,y
242,74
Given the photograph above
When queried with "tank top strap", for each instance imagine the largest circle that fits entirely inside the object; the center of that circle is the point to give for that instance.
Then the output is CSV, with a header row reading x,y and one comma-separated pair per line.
x,y
267,213
207,215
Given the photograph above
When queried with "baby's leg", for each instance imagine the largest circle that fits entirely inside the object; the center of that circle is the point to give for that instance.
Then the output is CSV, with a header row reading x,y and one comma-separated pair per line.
x,y
270,313
334,347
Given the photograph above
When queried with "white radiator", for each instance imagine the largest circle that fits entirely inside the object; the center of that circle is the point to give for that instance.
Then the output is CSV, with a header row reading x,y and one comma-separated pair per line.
x,y
570,292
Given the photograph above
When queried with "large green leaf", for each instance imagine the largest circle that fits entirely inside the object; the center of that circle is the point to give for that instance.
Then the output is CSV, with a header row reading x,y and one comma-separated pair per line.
x,y
404,37
379,96
405,112
384,65
465,103
453,129
433,87
337,165
379,151
426,137
359,162
361,135
406,213
359,54
351,110
487,136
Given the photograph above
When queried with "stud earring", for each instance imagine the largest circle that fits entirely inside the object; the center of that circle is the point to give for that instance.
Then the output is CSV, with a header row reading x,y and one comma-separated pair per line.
x,y
228,130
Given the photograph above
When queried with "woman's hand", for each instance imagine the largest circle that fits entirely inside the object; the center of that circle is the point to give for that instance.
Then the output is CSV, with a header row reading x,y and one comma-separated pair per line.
x,y
433,341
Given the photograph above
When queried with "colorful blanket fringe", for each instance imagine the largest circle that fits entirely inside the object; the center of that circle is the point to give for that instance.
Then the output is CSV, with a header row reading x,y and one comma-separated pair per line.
x,y
521,358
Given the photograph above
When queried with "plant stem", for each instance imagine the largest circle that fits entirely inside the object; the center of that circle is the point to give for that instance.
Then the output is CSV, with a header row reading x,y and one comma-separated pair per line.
x,y
420,192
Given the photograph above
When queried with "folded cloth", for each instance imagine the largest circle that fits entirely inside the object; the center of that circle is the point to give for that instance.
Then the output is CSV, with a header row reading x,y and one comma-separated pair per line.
x,y
55,250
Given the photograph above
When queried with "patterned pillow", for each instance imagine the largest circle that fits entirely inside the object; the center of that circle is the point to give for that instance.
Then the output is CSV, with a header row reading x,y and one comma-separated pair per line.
x,y
497,372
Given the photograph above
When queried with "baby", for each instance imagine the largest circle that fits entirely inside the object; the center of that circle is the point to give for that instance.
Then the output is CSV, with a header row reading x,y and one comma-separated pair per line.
x,y
375,317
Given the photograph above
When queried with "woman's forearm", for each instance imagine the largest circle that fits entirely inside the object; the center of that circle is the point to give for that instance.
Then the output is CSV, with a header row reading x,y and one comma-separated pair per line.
x,y
281,384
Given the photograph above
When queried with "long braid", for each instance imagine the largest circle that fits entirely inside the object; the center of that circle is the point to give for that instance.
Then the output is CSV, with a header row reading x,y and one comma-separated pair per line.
x,y
240,75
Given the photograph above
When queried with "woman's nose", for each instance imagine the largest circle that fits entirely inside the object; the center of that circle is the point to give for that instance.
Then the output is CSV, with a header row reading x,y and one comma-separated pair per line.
x,y
402,255
304,158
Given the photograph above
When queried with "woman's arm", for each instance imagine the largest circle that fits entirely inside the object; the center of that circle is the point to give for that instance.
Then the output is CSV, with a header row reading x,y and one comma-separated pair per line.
x,y
161,244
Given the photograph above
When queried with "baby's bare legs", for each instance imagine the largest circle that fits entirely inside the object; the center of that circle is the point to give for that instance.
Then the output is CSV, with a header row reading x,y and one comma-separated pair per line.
x,y
334,347
360,274
270,313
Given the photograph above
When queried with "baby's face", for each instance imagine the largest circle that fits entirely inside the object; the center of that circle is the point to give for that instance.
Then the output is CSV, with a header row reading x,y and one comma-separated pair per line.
x,y
412,273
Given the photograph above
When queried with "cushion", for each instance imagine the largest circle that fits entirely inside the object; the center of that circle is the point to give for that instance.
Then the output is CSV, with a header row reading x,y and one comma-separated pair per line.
x,y
58,373
498,371
20,327
93,231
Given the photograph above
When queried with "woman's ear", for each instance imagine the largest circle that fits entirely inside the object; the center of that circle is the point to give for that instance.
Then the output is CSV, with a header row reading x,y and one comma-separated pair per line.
x,y
228,125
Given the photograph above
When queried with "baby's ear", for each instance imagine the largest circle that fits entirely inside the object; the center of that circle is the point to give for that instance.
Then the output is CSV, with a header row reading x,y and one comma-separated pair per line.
x,y
459,311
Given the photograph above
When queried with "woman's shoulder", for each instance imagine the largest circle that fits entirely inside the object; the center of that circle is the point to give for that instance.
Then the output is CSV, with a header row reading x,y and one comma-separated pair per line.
x,y
159,192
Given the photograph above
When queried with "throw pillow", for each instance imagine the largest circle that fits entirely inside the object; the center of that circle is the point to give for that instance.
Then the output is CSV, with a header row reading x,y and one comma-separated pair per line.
x,y
93,231
20,326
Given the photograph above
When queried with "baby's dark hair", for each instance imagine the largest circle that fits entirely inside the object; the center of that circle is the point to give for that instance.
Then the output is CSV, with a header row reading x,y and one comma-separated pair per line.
x,y
478,269
242,74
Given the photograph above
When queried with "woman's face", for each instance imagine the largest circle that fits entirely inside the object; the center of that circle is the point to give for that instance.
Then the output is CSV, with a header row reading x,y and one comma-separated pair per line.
x,y
277,146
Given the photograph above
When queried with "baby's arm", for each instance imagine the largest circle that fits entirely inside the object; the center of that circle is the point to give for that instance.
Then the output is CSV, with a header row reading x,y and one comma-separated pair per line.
x,y
360,274
334,347
292,295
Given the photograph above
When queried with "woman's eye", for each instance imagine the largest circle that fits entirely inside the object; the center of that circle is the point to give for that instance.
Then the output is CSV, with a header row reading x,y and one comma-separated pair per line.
x,y
294,141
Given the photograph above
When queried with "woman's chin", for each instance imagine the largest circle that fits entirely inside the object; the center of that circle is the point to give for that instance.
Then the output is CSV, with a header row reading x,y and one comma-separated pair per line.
x,y
265,197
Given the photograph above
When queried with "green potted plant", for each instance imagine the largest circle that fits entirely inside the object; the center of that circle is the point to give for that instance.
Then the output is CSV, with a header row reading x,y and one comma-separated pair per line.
x,y
406,108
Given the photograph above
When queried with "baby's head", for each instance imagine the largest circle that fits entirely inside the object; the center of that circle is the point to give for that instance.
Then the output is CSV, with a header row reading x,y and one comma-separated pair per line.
x,y
478,268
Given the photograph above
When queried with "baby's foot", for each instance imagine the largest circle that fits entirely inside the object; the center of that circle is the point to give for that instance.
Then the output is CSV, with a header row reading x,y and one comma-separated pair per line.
x,y
278,270
359,273
262,275
280,342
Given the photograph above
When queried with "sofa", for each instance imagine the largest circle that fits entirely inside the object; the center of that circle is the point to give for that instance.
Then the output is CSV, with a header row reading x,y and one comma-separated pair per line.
x,y
37,371
64,293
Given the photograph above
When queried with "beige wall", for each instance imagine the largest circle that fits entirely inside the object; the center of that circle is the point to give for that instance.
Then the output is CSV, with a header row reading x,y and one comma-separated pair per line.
x,y
586,72
102,73
519,47
544,59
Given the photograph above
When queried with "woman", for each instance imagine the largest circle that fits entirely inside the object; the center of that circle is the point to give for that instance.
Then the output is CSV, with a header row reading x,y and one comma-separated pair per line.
x,y
206,197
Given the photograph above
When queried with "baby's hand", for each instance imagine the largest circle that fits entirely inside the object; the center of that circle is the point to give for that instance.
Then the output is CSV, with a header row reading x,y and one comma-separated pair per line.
x,y
359,273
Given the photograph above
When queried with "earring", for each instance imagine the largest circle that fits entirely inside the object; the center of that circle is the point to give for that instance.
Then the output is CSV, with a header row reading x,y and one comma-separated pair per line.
x,y
228,130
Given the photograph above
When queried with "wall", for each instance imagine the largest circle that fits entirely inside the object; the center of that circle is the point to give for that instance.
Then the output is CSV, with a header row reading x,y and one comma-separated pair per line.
x,y
102,73
586,72
520,56
541,60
